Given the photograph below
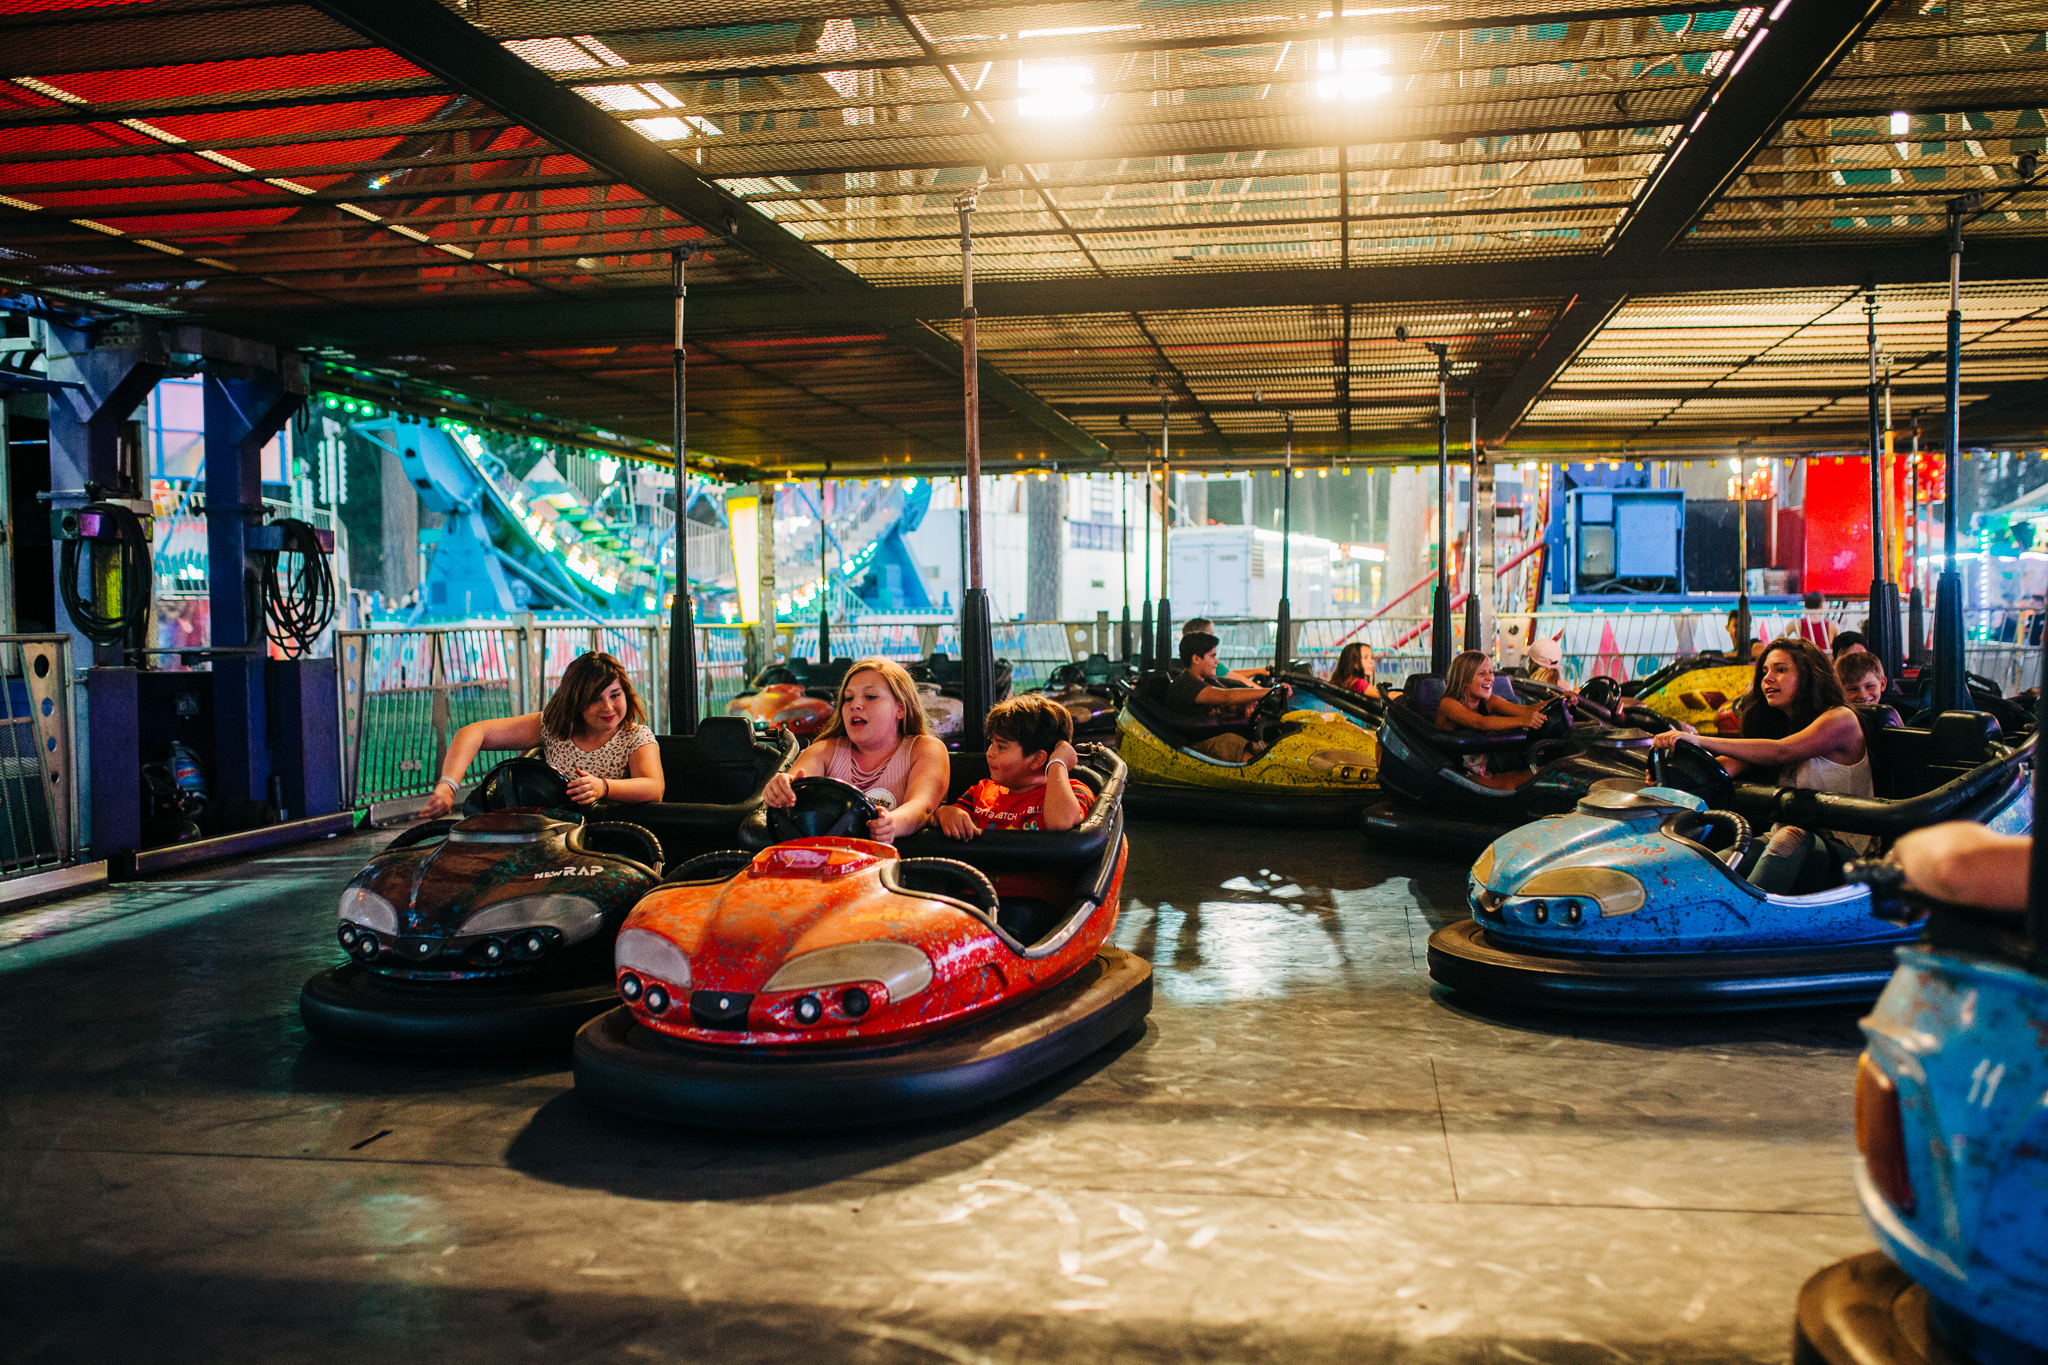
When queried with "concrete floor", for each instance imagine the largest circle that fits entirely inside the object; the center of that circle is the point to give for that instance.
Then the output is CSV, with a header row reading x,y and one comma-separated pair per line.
x,y
1306,1157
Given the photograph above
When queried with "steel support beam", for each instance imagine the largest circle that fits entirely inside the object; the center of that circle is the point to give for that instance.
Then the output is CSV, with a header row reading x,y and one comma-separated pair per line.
x,y
645,315
1780,65
472,61
944,352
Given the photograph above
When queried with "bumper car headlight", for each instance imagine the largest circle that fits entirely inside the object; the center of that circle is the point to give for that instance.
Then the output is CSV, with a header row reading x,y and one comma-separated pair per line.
x,y
903,969
1617,892
647,953
574,917
1483,869
368,910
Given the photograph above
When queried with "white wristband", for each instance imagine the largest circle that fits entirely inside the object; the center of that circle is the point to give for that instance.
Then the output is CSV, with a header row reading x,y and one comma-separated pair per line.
x,y
452,784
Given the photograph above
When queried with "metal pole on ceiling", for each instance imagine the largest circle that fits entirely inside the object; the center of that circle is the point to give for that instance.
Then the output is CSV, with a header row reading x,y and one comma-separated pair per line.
x,y
1884,595
1742,626
824,586
682,628
1146,659
1916,598
1165,648
1440,609
1472,640
1123,488
1948,693
1283,626
977,641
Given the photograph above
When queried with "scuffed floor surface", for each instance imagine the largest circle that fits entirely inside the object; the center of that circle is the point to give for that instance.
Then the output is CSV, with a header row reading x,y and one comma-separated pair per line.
x,y
1306,1157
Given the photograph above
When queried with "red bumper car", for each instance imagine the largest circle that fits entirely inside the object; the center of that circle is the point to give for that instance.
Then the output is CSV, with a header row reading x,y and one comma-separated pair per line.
x,y
827,980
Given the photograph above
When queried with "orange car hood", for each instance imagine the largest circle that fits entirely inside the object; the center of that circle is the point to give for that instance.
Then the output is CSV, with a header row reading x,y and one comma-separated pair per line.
x,y
794,898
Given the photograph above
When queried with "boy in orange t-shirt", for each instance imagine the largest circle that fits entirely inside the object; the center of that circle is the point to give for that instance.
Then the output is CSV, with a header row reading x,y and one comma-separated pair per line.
x,y
1029,783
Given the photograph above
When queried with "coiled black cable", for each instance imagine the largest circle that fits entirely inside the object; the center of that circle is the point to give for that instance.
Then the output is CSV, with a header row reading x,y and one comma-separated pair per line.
x,y
133,573
300,603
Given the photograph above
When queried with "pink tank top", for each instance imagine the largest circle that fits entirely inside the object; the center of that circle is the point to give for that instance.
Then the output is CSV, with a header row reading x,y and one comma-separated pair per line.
x,y
894,777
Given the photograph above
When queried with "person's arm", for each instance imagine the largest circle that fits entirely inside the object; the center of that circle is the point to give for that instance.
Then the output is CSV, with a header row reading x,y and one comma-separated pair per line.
x,y
929,770
1062,807
515,732
1832,732
644,781
781,788
1463,717
1967,864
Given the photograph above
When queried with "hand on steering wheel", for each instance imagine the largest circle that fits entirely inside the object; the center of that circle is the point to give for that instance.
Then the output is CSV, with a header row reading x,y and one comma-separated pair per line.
x,y
822,807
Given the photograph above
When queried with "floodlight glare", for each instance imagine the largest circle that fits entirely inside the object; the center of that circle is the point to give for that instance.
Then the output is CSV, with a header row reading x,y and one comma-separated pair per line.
x,y
1902,122
1351,75
1056,90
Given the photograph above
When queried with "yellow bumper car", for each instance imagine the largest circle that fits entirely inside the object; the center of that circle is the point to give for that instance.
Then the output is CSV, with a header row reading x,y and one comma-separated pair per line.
x,y
1696,691
1321,767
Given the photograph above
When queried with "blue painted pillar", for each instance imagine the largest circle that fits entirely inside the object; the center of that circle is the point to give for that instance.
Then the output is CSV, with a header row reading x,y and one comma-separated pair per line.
x,y
107,382
242,414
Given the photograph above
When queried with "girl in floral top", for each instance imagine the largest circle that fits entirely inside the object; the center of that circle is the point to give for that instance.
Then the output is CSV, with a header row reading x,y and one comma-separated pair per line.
x,y
593,731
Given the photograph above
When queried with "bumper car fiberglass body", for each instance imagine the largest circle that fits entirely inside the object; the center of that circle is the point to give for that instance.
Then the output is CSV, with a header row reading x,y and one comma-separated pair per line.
x,y
1694,690
827,980
494,931
1093,690
1435,803
1637,899
1321,769
797,695
1952,1160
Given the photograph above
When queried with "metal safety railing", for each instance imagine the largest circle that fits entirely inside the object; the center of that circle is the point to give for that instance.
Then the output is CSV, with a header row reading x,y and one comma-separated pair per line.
x,y
38,764
406,690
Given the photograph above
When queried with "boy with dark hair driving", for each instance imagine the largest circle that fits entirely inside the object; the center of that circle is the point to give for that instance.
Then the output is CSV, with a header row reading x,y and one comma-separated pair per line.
x,y
1029,783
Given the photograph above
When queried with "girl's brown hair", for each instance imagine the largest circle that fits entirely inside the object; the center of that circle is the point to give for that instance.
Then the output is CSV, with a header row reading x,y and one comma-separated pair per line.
x,y
1462,671
1819,691
583,682
913,720
1351,664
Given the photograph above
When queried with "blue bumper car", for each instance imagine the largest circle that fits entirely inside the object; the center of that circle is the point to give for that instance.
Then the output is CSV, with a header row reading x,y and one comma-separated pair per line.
x,y
1952,1157
1637,900
1434,801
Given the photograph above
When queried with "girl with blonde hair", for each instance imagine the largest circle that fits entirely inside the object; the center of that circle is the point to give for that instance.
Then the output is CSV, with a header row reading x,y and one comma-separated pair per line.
x,y
878,743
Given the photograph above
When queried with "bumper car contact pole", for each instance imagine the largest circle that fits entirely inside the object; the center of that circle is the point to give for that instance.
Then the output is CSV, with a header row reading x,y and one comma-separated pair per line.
x,y
1164,650
1284,622
1123,488
1948,692
1742,625
1145,660
977,646
1916,600
682,629
1472,640
1884,595
1440,611
824,586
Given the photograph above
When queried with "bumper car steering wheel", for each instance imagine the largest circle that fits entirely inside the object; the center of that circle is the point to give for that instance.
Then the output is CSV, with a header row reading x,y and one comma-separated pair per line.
x,y
824,808
1690,768
519,782
1265,717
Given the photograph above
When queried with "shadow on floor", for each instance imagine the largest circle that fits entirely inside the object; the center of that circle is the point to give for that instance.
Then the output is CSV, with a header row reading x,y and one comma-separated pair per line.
x,y
572,1142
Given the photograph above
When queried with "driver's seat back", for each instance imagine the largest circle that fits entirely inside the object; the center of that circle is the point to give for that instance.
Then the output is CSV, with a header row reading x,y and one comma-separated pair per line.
x,y
1421,693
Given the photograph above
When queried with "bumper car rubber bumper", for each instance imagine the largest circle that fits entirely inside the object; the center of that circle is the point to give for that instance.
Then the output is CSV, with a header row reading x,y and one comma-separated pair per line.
x,y
1867,1311
352,1006
624,1067
1463,957
1401,828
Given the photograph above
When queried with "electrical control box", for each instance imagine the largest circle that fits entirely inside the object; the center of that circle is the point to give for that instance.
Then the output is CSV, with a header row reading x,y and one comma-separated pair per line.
x,y
1628,541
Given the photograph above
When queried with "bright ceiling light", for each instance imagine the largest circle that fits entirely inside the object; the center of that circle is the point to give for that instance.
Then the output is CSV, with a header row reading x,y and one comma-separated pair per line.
x,y
1352,76
1902,122
1056,90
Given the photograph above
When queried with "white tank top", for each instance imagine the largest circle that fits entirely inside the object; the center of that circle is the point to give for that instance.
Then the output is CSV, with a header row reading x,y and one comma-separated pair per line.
x,y
1818,774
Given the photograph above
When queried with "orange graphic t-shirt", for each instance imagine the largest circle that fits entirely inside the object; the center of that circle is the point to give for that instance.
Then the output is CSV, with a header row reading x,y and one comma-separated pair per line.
x,y
997,807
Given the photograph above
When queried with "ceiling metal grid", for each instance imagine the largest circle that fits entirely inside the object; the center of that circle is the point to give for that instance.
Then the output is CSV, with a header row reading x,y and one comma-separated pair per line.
x,y
1939,101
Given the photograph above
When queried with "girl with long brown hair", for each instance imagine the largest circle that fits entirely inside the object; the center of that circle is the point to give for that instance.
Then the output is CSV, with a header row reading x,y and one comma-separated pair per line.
x,y
1797,721
593,731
